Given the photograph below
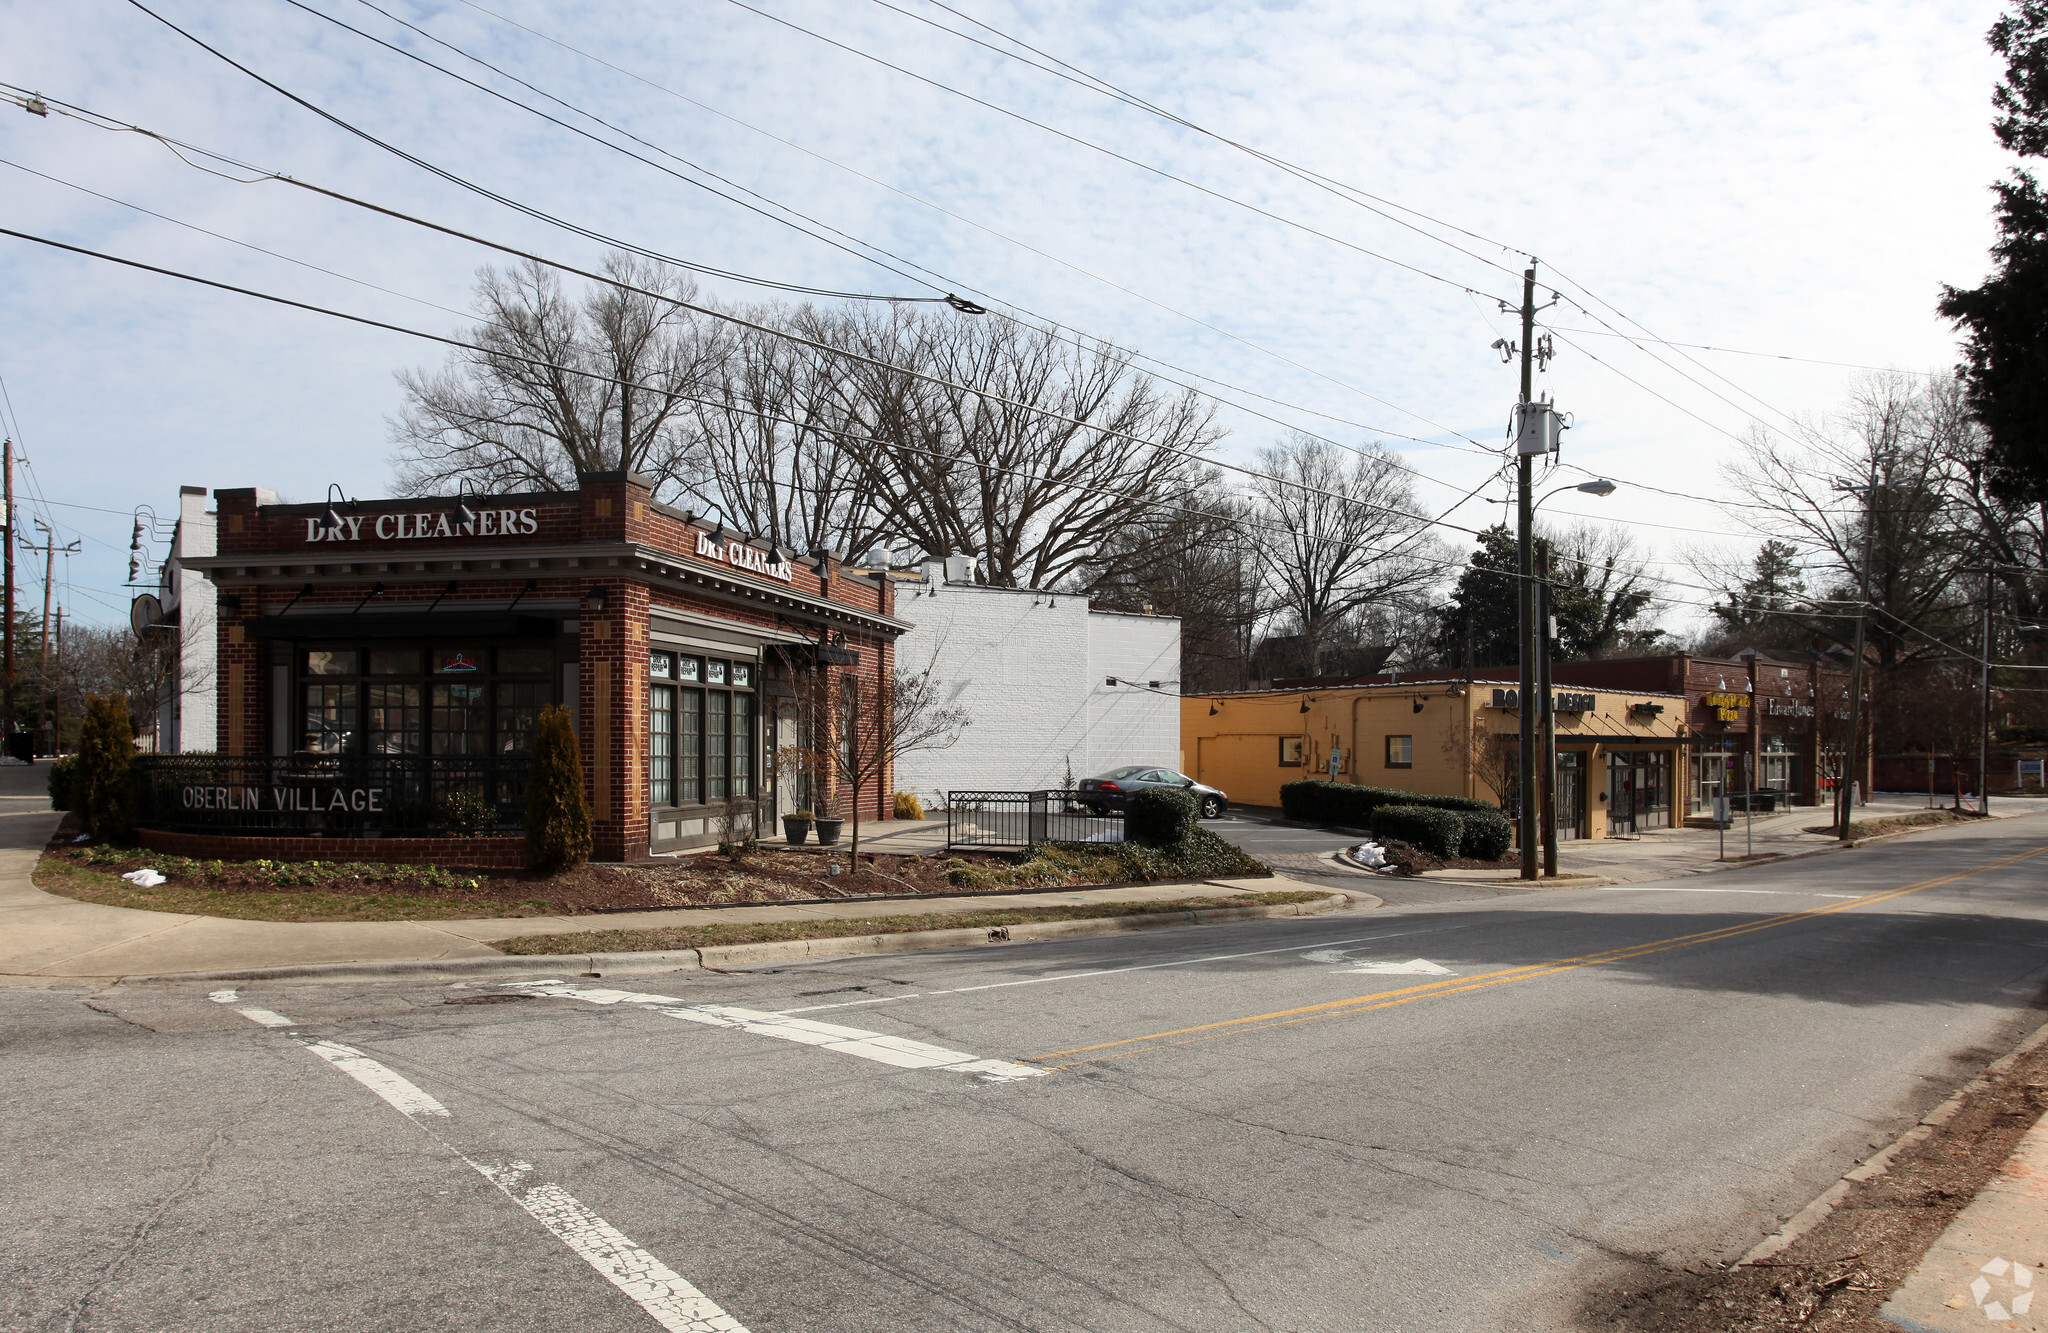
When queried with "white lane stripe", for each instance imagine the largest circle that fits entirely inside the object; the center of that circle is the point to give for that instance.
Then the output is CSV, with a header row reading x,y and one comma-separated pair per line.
x,y
901,1052
267,1018
879,1046
393,1088
1113,971
656,1288
664,1294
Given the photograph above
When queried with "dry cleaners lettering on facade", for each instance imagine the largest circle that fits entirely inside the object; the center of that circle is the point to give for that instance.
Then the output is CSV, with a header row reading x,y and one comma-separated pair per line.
x,y
303,800
426,524
740,555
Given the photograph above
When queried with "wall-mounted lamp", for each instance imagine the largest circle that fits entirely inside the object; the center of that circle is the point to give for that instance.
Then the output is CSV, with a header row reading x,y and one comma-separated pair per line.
x,y
598,597
330,517
1418,705
1304,705
1214,710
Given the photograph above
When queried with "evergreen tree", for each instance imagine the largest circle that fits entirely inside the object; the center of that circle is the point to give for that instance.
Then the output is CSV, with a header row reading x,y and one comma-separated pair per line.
x,y
557,815
1774,587
2005,321
103,790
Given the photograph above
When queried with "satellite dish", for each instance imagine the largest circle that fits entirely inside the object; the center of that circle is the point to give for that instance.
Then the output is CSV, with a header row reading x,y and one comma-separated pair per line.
x,y
144,613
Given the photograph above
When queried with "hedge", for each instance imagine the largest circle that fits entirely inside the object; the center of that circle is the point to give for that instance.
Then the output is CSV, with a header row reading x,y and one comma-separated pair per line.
x,y
1316,801
1488,834
1438,832
1161,816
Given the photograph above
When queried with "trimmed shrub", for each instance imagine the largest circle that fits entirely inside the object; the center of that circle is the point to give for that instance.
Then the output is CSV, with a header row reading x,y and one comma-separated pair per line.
x,y
103,789
1434,831
63,778
1161,816
1488,834
557,814
1347,805
908,806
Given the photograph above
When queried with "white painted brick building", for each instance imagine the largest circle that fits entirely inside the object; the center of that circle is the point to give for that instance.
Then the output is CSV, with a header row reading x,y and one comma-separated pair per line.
x,y
1032,670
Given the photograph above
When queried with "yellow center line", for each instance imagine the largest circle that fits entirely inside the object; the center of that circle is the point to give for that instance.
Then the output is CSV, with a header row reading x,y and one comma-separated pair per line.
x,y
1357,1004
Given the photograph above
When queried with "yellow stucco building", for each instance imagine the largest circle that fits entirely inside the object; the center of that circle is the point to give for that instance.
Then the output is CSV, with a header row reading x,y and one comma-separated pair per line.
x,y
1618,753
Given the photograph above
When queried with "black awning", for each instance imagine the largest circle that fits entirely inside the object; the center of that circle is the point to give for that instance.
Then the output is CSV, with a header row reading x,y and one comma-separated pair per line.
x,y
464,625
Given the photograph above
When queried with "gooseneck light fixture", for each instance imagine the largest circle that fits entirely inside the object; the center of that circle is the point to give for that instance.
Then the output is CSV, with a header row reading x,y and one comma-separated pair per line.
x,y
330,517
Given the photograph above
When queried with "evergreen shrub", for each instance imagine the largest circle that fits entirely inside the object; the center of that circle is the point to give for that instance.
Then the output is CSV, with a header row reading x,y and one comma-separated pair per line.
x,y
63,778
1488,834
557,813
1161,816
1437,832
103,789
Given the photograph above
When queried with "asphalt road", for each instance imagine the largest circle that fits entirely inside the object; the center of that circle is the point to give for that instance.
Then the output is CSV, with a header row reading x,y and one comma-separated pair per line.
x,y
1212,1128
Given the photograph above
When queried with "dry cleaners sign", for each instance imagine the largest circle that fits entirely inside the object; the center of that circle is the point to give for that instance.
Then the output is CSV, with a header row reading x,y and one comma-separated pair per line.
x,y
425,524
740,555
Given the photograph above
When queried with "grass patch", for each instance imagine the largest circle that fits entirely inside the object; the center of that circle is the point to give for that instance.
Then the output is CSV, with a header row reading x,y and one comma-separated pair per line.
x,y
70,879
738,932
1899,823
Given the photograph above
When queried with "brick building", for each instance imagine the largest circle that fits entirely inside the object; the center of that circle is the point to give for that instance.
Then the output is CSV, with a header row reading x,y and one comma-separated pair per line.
x,y
377,657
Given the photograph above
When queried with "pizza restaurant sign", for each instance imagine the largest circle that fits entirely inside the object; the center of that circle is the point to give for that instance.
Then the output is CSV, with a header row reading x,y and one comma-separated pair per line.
x,y
741,555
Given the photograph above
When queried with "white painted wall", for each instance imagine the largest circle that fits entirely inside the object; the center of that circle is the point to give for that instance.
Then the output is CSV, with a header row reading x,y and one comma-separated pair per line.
x,y
1028,668
188,716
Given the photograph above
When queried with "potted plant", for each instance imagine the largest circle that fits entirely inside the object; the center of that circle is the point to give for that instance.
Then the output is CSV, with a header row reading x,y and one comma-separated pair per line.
x,y
796,826
828,832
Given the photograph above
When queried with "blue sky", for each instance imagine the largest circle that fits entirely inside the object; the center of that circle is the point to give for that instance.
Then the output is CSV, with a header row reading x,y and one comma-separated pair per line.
x,y
1778,178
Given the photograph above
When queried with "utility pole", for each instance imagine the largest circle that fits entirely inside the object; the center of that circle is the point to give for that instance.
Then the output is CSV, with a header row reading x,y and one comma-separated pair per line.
x,y
1546,703
1524,523
7,720
1845,806
49,548
1984,733
57,695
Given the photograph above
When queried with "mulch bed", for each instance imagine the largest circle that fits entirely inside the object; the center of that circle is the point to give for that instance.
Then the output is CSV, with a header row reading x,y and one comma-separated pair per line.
x,y
1407,859
777,875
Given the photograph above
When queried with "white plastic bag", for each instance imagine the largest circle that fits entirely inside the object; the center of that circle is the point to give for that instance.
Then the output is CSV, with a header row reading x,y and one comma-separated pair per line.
x,y
1369,854
144,878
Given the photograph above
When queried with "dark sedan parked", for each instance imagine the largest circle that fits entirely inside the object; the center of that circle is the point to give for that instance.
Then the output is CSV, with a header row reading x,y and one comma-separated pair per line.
x,y
1106,793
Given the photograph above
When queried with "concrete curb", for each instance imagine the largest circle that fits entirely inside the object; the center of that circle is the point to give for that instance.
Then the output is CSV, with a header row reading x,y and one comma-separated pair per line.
x,y
1879,1162
733,957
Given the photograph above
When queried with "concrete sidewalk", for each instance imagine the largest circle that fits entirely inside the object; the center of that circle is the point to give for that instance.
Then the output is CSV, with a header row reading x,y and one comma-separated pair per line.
x,y
46,937
1990,1268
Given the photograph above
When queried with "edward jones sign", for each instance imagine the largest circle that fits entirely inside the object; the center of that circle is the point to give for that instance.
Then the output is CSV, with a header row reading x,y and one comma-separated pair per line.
x,y
425,524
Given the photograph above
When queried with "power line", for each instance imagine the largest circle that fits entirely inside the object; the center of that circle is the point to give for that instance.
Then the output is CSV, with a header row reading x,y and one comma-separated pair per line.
x,y
527,209
1005,237
86,116
1348,193
1045,323
1107,152
996,398
1736,351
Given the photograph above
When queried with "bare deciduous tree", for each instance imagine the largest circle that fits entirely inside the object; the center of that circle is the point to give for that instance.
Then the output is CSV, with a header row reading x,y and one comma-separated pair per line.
x,y
1340,531
519,417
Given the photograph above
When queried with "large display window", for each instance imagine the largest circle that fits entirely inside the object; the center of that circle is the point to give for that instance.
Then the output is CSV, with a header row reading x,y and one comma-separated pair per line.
x,y
454,700
702,732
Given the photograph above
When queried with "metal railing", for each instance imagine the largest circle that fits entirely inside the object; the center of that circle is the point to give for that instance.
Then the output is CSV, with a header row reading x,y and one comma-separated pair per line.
x,y
390,796
1009,819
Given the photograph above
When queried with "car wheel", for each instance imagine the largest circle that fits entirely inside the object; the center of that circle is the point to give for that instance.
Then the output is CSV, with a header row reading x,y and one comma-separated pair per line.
x,y
1212,807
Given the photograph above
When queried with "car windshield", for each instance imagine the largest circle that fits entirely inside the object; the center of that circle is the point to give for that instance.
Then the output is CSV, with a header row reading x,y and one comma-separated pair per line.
x,y
1123,773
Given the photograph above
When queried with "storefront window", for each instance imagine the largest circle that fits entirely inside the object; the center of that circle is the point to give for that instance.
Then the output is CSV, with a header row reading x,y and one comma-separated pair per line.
x,y
394,716
1777,775
1400,752
383,713
661,758
459,720
701,739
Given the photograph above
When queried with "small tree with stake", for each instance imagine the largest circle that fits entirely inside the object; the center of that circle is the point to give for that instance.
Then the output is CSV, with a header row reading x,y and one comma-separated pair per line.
x,y
857,734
